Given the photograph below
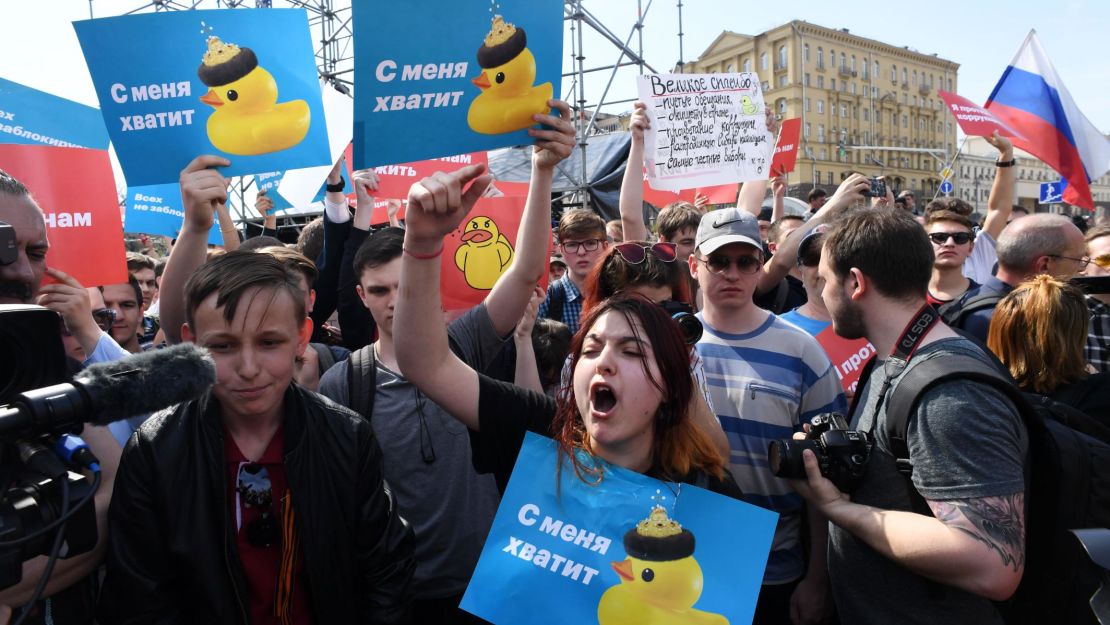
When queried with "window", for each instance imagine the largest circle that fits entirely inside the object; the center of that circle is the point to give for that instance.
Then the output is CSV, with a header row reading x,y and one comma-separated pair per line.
x,y
830,177
782,80
821,107
805,53
832,84
817,176
806,131
915,100
807,105
763,61
853,63
866,135
807,80
820,131
894,119
844,110
747,65
781,106
820,82
949,84
894,73
820,58
915,77
903,75
766,86
728,70
866,115
843,61
853,88
864,66
782,56
824,154
874,92
905,121
876,72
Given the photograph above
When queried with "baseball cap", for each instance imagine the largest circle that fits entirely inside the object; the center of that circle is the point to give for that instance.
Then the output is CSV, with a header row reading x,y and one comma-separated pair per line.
x,y
813,237
727,225
557,259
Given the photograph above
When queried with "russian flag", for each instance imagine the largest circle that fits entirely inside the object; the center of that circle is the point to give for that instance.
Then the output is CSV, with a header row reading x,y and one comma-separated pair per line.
x,y
1032,99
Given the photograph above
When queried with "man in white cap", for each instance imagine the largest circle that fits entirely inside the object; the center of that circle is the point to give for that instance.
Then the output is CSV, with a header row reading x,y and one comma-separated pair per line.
x,y
767,377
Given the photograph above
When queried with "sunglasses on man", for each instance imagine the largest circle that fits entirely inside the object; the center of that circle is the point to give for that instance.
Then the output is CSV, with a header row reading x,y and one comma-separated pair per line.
x,y
719,264
959,238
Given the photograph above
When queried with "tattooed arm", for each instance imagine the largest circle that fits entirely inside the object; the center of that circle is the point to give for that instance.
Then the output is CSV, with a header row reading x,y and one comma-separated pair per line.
x,y
996,522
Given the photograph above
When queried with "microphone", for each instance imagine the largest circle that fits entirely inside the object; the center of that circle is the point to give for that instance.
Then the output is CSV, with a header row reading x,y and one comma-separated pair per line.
x,y
111,391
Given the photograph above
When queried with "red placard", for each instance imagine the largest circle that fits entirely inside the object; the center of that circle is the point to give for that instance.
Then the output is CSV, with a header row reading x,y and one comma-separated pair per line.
x,y
77,194
973,119
471,267
847,355
380,215
659,199
786,152
394,181
505,188
720,194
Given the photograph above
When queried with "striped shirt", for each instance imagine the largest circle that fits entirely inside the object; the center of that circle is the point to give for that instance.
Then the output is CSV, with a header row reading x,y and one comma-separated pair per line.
x,y
765,384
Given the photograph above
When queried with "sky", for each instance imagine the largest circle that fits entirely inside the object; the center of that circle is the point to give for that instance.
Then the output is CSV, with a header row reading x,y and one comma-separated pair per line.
x,y
38,47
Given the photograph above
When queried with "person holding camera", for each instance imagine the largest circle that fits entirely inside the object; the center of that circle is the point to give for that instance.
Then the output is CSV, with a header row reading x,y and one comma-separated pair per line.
x,y
942,544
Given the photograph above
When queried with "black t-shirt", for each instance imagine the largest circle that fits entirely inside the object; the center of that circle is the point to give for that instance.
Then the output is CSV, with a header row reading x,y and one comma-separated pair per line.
x,y
789,294
507,411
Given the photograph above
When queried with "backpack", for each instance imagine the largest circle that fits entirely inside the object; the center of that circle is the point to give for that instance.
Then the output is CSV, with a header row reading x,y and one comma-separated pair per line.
x,y
362,380
954,313
324,356
557,298
1069,488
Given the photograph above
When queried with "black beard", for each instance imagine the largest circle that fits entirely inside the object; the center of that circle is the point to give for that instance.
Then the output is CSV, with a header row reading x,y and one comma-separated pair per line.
x,y
18,290
848,322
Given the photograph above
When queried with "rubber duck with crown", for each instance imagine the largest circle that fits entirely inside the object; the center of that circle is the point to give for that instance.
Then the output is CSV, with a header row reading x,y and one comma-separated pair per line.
x,y
247,120
508,99
660,580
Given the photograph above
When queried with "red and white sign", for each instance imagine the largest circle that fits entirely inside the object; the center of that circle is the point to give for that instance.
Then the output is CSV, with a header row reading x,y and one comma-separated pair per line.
x,y
786,152
659,198
975,120
394,181
77,194
848,356
480,251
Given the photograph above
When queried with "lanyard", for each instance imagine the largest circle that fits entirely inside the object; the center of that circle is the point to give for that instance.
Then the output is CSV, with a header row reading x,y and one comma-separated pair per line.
x,y
904,349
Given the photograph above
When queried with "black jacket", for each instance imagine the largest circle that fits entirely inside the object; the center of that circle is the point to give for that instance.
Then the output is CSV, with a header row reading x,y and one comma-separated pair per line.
x,y
172,555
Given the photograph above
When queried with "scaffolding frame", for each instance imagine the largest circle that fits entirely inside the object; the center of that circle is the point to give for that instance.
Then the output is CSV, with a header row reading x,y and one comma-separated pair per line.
x,y
330,25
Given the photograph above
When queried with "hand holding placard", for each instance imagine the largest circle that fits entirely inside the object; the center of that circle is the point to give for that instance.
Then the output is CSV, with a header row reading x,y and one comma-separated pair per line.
x,y
438,203
553,146
201,189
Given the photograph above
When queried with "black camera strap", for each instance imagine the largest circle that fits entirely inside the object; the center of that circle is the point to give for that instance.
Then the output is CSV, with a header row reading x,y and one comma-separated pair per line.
x,y
900,355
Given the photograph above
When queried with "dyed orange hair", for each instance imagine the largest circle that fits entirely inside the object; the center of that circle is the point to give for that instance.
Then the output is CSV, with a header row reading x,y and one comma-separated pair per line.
x,y
1038,331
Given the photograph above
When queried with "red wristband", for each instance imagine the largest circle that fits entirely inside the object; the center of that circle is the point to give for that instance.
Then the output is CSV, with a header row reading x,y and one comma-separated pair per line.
x,y
424,256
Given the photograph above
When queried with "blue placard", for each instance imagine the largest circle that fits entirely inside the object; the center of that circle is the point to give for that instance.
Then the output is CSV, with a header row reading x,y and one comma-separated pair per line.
x,y
30,116
1053,192
158,209
269,183
558,556
168,94
418,74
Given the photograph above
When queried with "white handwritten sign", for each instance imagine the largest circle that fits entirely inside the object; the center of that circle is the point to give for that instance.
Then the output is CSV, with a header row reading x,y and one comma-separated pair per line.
x,y
706,129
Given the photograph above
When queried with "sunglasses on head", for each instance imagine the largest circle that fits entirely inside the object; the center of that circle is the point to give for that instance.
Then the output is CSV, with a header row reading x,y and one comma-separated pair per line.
x,y
636,253
719,264
960,238
255,491
1102,261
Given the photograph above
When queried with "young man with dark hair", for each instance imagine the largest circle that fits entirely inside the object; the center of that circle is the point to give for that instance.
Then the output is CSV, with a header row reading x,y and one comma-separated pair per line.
x,y
816,198
126,300
260,500
678,223
953,239
141,267
890,562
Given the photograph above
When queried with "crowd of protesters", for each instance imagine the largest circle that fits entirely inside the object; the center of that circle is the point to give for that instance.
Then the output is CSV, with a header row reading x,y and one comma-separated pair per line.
x,y
347,464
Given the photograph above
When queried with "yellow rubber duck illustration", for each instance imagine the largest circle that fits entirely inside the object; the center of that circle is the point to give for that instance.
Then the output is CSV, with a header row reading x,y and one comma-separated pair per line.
x,y
660,581
508,100
247,120
747,106
484,254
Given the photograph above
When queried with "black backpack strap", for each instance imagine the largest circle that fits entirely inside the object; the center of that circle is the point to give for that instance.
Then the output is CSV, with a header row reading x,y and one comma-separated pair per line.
x,y
954,313
362,380
864,375
557,299
324,356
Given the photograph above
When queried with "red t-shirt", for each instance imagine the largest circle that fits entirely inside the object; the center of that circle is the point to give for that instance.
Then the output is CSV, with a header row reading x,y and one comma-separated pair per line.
x,y
261,565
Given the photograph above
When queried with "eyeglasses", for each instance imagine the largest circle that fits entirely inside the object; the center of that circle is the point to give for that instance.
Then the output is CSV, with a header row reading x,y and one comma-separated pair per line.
x,y
960,238
1102,261
255,491
1083,262
636,253
577,246
104,318
719,264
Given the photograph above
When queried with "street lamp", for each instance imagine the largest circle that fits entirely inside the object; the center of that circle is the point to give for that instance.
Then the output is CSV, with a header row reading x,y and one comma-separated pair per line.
x,y
812,157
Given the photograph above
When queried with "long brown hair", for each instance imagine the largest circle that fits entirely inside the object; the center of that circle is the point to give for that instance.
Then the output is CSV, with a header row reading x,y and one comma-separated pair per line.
x,y
613,274
678,445
1038,331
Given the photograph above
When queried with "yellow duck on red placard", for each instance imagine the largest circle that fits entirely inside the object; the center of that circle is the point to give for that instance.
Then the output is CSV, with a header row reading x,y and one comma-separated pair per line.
x,y
247,120
485,253
660,580
508,99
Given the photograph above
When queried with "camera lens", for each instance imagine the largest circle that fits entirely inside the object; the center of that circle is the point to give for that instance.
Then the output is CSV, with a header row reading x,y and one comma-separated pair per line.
x,y
785,457
690,326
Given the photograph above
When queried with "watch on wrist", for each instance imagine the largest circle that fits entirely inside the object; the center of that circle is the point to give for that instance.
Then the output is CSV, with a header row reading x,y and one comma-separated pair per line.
x,y
337,187
1009,163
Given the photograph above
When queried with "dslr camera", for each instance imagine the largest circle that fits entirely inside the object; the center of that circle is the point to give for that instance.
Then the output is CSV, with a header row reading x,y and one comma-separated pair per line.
x,y
683,315
841,453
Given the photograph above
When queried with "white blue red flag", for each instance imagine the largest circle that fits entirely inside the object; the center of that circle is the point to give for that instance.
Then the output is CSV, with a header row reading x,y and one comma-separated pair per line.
x,y
1032,99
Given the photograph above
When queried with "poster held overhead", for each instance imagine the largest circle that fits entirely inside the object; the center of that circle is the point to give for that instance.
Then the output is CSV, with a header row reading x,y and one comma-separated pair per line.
x,y
973,119
159,209
706,129
786,152
471,79
176,84
30,116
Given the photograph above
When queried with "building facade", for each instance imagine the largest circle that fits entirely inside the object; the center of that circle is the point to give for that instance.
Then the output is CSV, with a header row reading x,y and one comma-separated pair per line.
x,y
864,105
974,175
